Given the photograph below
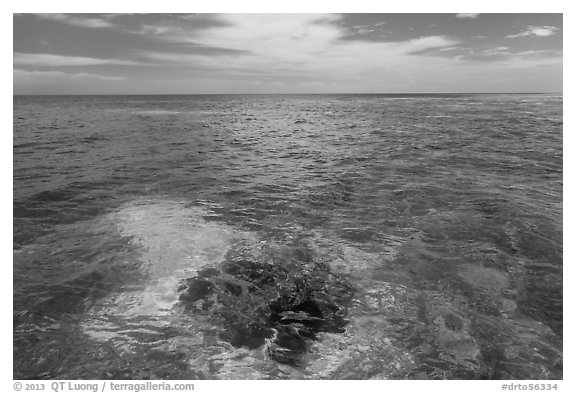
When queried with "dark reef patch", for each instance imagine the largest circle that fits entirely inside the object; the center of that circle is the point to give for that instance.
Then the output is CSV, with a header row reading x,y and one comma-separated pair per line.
x,y
276,294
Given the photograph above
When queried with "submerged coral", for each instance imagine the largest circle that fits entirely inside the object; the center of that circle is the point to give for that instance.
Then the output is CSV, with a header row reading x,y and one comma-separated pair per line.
x,y
279,297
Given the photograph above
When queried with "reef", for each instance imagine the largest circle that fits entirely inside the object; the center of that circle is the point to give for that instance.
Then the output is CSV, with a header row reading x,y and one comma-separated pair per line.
x,y
270,296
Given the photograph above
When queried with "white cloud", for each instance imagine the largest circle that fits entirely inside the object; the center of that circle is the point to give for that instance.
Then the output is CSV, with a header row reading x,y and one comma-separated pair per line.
x,y
451,49
33,77
467,16
75,20
499,50
548,53
365,29
536,31
299,44
47,60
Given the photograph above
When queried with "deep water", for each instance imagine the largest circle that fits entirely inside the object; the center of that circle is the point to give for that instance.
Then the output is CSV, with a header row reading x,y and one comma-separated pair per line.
x,y
277,237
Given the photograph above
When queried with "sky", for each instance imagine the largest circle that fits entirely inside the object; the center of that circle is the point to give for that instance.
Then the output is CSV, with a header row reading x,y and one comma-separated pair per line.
x,y
286,53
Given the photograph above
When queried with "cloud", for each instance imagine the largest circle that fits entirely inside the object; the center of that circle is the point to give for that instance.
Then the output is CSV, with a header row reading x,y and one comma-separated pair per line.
x,y
33,77
162,26
369,25
198,56
305,44
540,53
76,20
496,55
154,30
48,60
467,16
295,53
499,50
366,29
536,31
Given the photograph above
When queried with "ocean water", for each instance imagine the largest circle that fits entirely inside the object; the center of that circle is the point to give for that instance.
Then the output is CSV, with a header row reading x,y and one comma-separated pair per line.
x,y
288,237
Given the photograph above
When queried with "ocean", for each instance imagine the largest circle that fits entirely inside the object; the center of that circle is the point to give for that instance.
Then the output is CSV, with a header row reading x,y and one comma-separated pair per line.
x,y
288,237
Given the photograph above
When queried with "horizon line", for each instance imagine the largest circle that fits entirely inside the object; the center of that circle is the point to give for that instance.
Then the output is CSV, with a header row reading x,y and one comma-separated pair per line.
x,y
203,94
